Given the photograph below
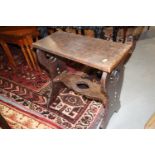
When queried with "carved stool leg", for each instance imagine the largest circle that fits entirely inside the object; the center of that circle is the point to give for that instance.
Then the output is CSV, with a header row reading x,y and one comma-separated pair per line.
x,y
53,67
112,84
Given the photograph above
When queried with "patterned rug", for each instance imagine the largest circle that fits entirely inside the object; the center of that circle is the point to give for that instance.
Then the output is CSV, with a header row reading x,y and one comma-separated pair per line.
x,y
23,103
19,119
33,80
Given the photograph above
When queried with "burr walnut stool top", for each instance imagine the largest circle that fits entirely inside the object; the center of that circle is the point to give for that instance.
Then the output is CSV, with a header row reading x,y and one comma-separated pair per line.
x,y
97,53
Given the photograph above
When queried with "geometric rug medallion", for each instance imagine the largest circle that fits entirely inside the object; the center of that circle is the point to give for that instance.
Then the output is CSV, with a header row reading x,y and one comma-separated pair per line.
x,y
24,106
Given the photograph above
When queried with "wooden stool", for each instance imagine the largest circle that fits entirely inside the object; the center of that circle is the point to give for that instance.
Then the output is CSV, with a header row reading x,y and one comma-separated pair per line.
x,y
102,55
21,36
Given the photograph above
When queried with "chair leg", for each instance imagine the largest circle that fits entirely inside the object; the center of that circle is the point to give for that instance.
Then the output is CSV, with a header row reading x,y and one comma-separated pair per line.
x,y
115,32
30,54
125,29
36,62
8,54
26,57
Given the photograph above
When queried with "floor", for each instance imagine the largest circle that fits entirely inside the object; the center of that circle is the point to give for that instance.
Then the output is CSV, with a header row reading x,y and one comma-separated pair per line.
x,y
138,92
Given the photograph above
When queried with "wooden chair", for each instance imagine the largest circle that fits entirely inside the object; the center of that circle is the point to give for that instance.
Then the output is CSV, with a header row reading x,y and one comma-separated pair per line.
x,y
23,37
91,31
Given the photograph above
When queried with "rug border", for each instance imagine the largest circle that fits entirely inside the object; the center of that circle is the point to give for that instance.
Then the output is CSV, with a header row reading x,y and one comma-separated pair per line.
x,y
45,121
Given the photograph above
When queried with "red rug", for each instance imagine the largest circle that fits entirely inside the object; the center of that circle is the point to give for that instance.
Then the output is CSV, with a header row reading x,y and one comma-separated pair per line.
x,y
33,80
20,119
70,110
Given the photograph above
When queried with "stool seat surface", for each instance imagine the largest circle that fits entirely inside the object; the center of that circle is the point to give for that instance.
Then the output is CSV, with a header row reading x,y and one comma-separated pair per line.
x,y
97,53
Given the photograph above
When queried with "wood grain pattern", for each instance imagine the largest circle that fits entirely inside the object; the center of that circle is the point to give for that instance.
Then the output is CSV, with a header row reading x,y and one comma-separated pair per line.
x,y
17,32
97,53
150,123
8,53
